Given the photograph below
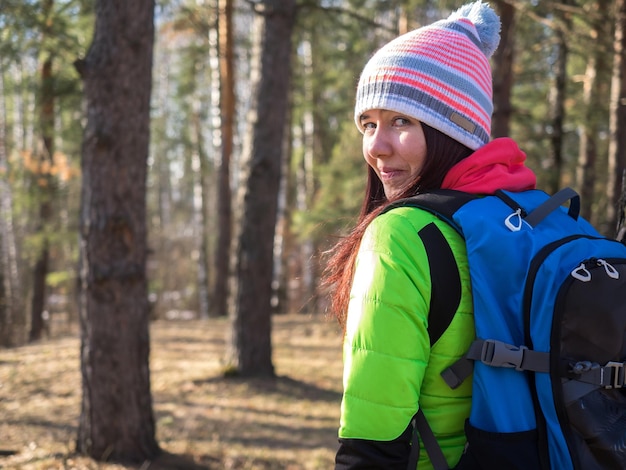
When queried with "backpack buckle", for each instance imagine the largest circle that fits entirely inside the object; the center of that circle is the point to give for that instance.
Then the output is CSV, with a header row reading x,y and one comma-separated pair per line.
x,y
499,354
618,374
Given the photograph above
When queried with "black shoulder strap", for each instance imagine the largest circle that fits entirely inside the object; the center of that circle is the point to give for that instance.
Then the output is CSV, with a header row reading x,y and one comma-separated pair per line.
x,y
444,273
445,294
441,202
444,301
435,454
545,208
445,281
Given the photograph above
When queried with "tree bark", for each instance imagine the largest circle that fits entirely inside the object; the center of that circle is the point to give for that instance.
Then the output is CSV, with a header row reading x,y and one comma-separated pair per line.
x,y
12,319
44,181
116,420
250,308
200,168
224,195
617,144
503,76
592,94
557,102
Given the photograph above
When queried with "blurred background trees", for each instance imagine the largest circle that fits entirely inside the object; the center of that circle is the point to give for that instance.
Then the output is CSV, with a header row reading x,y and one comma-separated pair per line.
x,y
254,165
558,74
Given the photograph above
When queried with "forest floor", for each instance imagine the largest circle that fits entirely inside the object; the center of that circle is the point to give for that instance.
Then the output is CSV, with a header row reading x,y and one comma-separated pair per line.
x,y
203,421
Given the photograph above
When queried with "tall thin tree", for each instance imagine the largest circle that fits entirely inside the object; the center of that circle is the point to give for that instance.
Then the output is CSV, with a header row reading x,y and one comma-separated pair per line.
x,y
250,351
595,71
10,298
503,75
44,181
200,167
558,95
116,420
617,143
227,118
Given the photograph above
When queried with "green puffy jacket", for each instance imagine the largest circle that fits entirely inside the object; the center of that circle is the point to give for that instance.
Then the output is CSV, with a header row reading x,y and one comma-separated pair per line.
x,y
389,366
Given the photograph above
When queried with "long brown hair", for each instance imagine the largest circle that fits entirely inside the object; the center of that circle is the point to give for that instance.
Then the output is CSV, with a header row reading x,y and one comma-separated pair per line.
x,y
442,154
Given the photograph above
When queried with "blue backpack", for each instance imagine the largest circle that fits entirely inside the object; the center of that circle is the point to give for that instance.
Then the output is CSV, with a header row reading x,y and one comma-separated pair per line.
x,y
549,297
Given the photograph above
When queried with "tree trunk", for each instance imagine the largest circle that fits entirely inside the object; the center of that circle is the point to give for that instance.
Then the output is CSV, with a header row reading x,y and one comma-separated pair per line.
x,y
305,177
592,94
38,301
617,144
116,420
557,104
11,313
224,196
250,307
503,76
200,169
45,183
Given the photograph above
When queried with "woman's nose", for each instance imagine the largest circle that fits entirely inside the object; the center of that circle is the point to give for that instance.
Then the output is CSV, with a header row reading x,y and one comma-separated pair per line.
x,y
378,145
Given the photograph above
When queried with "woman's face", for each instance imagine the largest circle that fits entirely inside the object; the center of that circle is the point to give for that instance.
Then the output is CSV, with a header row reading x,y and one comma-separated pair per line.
x,y
394,146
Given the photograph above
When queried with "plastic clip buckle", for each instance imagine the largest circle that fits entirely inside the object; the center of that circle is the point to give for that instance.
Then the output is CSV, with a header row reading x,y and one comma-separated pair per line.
x,y
618,374
499,354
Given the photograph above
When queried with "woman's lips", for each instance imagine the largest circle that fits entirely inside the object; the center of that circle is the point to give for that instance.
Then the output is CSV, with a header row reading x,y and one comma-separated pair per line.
x,y
389,173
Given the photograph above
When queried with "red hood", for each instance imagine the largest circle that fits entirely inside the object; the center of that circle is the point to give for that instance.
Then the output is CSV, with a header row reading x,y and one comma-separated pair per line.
x,y
496,165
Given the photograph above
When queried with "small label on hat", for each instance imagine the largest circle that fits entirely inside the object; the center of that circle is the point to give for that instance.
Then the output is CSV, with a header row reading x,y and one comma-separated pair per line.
x,y
463,122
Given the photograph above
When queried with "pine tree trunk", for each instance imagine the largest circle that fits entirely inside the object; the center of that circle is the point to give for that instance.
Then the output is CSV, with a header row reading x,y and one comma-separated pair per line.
x,y
250,309
617,144
45,185
12,318
116,421
200,168
592,95
224,195
557,106
503,76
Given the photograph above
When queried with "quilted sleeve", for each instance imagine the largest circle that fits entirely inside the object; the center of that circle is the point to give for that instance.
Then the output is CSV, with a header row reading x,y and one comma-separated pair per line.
x,y
386,348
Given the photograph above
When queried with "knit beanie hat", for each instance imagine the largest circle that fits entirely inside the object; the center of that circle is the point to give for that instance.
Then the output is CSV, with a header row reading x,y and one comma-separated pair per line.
x,y
438,74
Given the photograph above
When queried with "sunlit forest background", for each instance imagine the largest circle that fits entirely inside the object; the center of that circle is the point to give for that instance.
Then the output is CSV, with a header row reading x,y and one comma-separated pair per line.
x,y
254,166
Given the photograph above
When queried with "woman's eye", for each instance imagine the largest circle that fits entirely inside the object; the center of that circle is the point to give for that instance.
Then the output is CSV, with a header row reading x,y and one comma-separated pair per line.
x,y
369,125
400,121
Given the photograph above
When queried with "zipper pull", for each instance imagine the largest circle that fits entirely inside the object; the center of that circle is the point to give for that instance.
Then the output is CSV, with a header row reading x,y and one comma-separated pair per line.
x,y
610,270
581,273
514,221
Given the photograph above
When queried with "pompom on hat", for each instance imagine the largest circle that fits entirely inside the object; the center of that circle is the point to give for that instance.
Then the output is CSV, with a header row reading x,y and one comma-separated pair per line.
x,y
438,74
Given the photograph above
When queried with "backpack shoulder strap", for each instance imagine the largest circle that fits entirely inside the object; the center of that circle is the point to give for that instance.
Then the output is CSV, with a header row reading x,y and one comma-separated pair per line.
x,y
444,275
546,207
435,454
445,281
441,202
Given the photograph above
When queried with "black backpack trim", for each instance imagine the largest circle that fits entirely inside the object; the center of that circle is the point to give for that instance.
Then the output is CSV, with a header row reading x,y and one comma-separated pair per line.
x,y
442,203
443,272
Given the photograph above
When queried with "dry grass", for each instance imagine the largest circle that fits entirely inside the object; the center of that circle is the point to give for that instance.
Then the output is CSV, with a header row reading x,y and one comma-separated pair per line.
x,y
203,420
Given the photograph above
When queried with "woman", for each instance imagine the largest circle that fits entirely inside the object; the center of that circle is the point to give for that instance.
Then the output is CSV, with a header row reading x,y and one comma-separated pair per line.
x,y
423,105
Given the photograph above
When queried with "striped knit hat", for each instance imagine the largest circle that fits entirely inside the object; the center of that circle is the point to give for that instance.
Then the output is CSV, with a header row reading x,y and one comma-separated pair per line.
x,y
438,74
